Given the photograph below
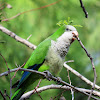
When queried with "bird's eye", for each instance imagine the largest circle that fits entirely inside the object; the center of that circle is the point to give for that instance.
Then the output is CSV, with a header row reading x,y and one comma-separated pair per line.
x,y
67,29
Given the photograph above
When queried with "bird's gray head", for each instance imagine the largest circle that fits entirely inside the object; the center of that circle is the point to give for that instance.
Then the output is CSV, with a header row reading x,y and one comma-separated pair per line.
x,y
70,33
70,28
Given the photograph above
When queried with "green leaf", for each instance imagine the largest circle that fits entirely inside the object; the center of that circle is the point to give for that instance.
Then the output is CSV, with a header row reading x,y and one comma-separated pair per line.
x,y
67,22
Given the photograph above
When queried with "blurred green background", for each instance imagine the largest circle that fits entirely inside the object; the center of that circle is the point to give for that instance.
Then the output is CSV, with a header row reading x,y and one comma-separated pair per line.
x,y
42,23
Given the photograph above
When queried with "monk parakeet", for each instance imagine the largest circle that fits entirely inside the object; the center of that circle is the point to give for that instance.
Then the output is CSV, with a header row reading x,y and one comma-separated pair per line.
x,y
49,55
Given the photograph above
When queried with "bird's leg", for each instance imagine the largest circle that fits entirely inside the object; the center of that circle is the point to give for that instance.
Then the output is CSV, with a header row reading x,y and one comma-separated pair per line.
x,y
48,75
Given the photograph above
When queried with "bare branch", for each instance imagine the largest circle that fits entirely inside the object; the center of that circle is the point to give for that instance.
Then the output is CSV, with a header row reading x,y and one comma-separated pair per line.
x,y
10,82
4,60
35,90
17,38
84,10
80,76
39,90
72,92
53,78
5,94
91,59
22,69
8,73
17,70
2,95
66,66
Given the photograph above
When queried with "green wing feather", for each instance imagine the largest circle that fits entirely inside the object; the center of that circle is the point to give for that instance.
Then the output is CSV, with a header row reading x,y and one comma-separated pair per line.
x,y
39,53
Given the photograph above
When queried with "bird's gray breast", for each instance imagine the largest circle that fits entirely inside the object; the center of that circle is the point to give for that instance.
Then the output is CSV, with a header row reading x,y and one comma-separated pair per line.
x,y
56,55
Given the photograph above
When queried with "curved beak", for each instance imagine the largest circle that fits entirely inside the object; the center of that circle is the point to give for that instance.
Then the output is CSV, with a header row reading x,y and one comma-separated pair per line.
x,y
75,34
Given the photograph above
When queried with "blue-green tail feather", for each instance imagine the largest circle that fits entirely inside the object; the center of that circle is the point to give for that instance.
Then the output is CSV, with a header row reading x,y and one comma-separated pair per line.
x,y
27,79
18,94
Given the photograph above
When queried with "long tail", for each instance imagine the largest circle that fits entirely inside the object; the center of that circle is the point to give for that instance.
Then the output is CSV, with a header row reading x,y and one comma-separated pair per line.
x,y
18,94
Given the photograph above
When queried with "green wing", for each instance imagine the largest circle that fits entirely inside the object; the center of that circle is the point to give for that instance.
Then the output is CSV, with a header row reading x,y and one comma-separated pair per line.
x,y
39,53
36,60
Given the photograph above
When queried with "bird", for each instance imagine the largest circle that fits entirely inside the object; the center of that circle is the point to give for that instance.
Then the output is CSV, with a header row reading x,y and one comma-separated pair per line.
x,y
49,55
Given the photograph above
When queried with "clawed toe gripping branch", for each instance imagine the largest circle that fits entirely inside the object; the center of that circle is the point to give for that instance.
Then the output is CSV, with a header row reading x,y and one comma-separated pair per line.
x,y
48,75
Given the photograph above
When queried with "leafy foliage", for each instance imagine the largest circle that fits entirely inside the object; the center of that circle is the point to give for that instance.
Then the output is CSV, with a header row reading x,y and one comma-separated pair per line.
x,y
67,22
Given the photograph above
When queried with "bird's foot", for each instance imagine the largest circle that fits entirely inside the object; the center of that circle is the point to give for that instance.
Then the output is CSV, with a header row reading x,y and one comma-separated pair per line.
x,y
59,80
48,75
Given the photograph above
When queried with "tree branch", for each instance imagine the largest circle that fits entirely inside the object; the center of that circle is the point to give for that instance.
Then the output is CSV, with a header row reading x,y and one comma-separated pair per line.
x,y
17,38
8,73
84,10
22,69
39,90
4,98
80,76
72,92
91,59
52,78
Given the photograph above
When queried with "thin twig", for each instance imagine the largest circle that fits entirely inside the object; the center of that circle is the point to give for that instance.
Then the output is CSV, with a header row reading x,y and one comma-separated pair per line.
x,y
35,90
8,74
17,70
72,92
5,93
29,37
91,59
2,95
10,82
30,11
84,10
4,60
